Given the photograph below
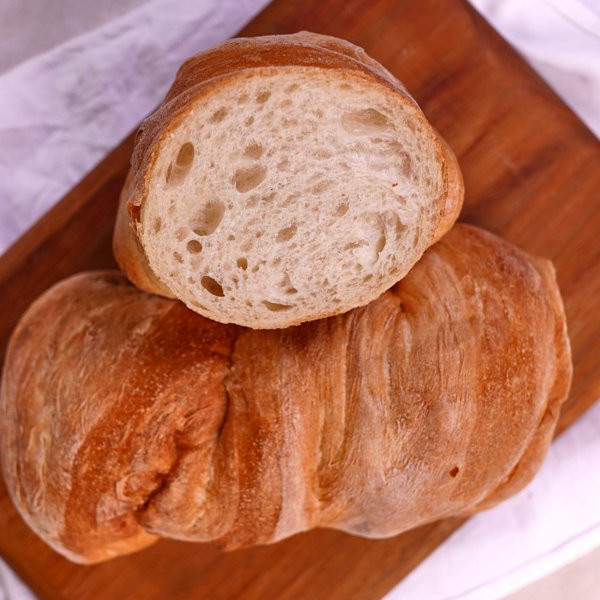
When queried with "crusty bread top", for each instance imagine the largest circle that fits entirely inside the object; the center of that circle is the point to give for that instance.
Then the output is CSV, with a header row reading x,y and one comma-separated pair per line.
x,y
284,178
124,416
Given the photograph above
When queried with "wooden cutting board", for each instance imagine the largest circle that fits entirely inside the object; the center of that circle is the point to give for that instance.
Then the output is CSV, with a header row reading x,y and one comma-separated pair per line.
x,y
532,174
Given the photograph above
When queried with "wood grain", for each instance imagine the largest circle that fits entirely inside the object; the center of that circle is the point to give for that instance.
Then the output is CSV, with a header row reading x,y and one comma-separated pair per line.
x,y
532,174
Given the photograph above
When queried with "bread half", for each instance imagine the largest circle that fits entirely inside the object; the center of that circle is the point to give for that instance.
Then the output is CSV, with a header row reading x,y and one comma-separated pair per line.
x,y
283,179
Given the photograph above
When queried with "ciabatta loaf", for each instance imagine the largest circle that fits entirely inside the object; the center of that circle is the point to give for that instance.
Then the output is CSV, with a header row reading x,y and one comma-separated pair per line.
x,y
283,179
125,416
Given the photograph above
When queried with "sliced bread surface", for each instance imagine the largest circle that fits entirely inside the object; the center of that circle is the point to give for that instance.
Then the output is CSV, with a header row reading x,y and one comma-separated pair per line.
x,y
292,186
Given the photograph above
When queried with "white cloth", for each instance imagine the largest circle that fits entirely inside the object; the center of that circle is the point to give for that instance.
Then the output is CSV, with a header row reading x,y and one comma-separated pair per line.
x,y
62,111
11,587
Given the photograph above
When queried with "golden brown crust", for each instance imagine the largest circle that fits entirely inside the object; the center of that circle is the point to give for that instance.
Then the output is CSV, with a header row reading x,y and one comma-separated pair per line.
x,y
128,416
201,74
533,456
128,251
455,192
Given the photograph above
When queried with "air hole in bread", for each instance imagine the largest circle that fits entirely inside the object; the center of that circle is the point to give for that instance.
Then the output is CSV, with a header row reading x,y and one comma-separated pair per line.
x,y
243,99
253,150
242,263
321,187
177,171
368,277
178,257
181,233
185,156
341,210
198,305
392,223
246,246
454,472
291,199
262,97
209,218
416,237
287,233
218,115
399,227
276,307
249,121
353,245
365,121
211,286
157,224
283,164
287,122
230,237
194,246
285,103
406,166
291,88
286,285
380,244
322,154
269,197
248,178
